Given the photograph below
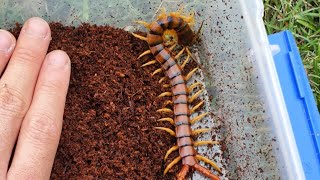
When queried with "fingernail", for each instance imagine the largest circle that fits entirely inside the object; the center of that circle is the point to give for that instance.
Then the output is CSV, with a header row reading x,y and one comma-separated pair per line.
x,y
37,27
58,59
6,42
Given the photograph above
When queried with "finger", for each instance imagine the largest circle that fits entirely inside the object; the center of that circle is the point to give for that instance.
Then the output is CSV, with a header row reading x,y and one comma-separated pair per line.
x,y
18,81
7,43
40,131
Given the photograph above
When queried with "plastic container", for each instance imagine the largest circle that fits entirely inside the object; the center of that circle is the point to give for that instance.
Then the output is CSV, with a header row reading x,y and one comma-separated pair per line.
x,y
248,104
300,102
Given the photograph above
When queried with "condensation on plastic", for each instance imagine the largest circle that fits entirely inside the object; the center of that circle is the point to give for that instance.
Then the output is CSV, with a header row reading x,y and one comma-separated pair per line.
x,y
248,113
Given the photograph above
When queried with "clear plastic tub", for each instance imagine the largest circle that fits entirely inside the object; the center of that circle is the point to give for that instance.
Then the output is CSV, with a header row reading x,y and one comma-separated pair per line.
x,y
248,105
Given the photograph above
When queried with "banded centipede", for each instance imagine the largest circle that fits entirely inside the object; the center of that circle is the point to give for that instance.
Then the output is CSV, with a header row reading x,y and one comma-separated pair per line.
x,y
178,26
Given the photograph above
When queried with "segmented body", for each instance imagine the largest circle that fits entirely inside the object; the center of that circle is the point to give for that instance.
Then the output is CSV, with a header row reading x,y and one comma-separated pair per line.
x,y
177,82
179,89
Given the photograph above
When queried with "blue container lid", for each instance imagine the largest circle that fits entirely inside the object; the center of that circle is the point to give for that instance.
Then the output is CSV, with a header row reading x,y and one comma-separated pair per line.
x,y
300,102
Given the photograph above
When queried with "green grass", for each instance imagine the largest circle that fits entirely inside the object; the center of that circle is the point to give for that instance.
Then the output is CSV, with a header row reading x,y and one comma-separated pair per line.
x,y
302,18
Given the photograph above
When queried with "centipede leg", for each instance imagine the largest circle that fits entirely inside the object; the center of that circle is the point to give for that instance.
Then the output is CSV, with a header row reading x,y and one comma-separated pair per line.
x,y
185,61
180,53
183,172
175,161
166,85
171,132
145,24
149,63
206,160
165,110
198,131
190,88
196,107
173,148
156,71
170,120
167,103
195,96
201,143
199,65
162,79
191,73
173,46
144,53
196,119
163,13
165,94
140,37
205,172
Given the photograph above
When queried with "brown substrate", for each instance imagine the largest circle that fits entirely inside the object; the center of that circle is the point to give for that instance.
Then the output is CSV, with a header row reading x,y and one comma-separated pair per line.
x,y
110,114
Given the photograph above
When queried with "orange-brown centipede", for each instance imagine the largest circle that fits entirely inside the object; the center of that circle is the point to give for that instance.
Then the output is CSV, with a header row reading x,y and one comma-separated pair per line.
x,y
178,26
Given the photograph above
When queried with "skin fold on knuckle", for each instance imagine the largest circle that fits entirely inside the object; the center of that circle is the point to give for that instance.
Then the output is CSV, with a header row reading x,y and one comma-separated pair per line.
x,y
26,56
13,105
52,92
41,129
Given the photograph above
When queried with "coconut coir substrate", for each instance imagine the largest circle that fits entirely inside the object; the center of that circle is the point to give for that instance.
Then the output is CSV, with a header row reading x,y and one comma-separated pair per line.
x,y
110,114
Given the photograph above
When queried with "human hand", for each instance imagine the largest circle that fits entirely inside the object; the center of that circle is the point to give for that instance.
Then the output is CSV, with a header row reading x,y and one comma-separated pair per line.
x,y
33,88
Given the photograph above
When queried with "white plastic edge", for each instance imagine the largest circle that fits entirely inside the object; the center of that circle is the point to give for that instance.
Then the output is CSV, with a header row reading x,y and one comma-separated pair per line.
x,y
272,89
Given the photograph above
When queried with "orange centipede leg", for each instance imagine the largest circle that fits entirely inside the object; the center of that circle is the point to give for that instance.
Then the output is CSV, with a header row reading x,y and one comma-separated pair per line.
x,y
205,172
183,172
149,63
156,71
140,37
206,160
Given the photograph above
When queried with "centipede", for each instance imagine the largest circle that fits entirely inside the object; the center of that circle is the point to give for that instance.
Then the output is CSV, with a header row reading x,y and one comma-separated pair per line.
x,y
177,28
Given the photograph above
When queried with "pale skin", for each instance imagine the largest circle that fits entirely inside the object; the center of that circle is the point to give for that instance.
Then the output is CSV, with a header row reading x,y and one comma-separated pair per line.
x,y
33,88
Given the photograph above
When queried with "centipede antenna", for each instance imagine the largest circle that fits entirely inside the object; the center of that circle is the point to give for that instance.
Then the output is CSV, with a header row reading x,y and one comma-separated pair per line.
x,y
206,160
145,24
179,54
175,161
197,35
156,71
196,107
165,110
140,37
201,143
196,119
165,94
173,148
199,131
166,85
149,63
162,79
195,96
185,61
144,53
170,120
172,133
190,88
